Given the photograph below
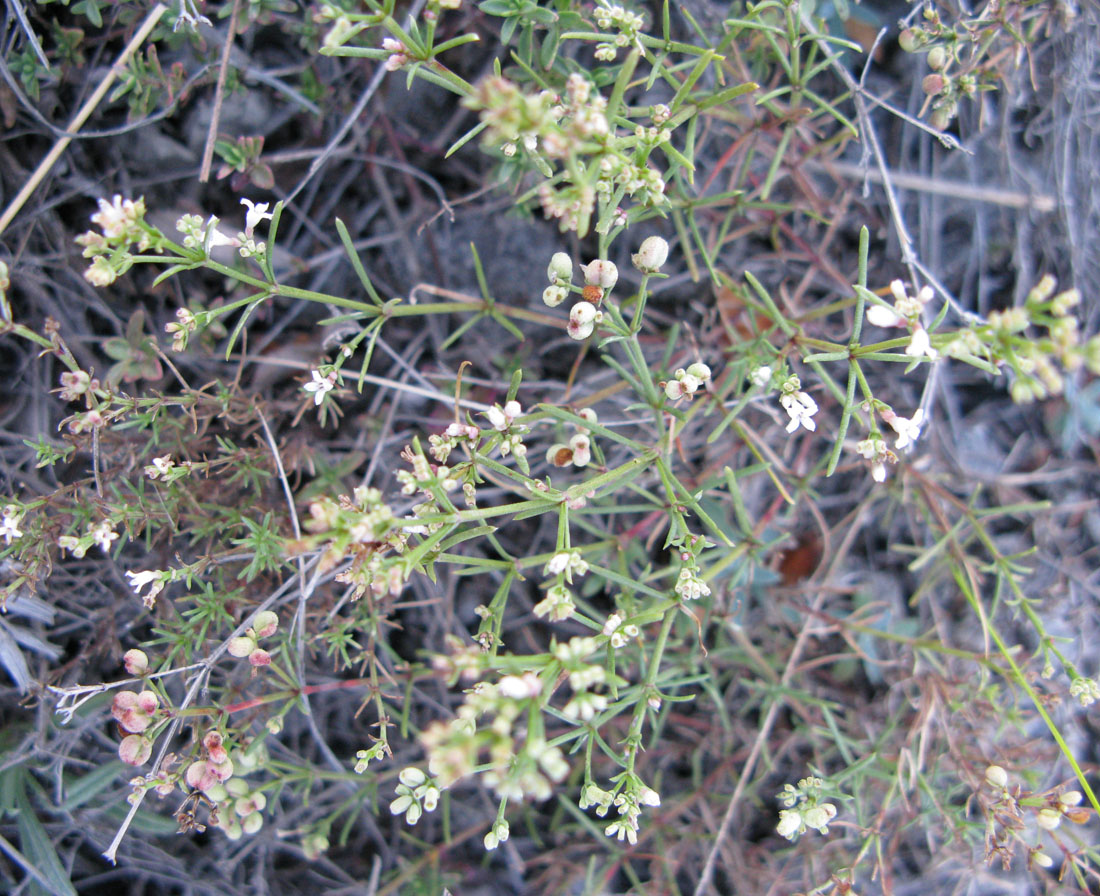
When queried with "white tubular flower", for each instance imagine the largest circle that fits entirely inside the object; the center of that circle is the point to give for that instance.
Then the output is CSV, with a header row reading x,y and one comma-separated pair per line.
x,y
920,345
790,823
881,316
103,534
502,418
761,376
520,687
255,216
651,255
9,525
1048,819
908,430
801,408
151,577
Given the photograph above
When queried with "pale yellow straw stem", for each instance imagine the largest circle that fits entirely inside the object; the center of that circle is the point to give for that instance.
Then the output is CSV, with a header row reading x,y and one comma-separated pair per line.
x,y
82,116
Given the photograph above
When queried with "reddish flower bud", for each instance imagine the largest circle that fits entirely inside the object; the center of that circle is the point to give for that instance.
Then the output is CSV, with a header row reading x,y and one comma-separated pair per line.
x,y
259,657
135,749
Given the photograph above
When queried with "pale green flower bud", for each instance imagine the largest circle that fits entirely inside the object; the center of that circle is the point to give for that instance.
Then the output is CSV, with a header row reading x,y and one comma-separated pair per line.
x,y
1048,819
560,270
700,371
265,624
790,822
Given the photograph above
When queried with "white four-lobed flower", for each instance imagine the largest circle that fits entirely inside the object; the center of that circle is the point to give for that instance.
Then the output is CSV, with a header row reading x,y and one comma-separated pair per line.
x,y
320,385
801,408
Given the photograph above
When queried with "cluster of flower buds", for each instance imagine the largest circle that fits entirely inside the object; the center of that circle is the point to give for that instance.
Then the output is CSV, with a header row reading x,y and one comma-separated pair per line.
x,y
685,383
628,24
1084,690
416,794
619,633
440,447
264,625
498,834
122,224
181,328
874,450
503,420
376,752
689,584
1012,804
804,809
628,801
215,769
576,658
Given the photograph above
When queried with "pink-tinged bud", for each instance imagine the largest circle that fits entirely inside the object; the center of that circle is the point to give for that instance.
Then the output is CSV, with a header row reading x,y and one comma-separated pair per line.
x,y
220,771
699,370
265,624
135,749
259,657
241,647
933,84
132,710
123,702
135,662
214,748
246,805
195,774
601,273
